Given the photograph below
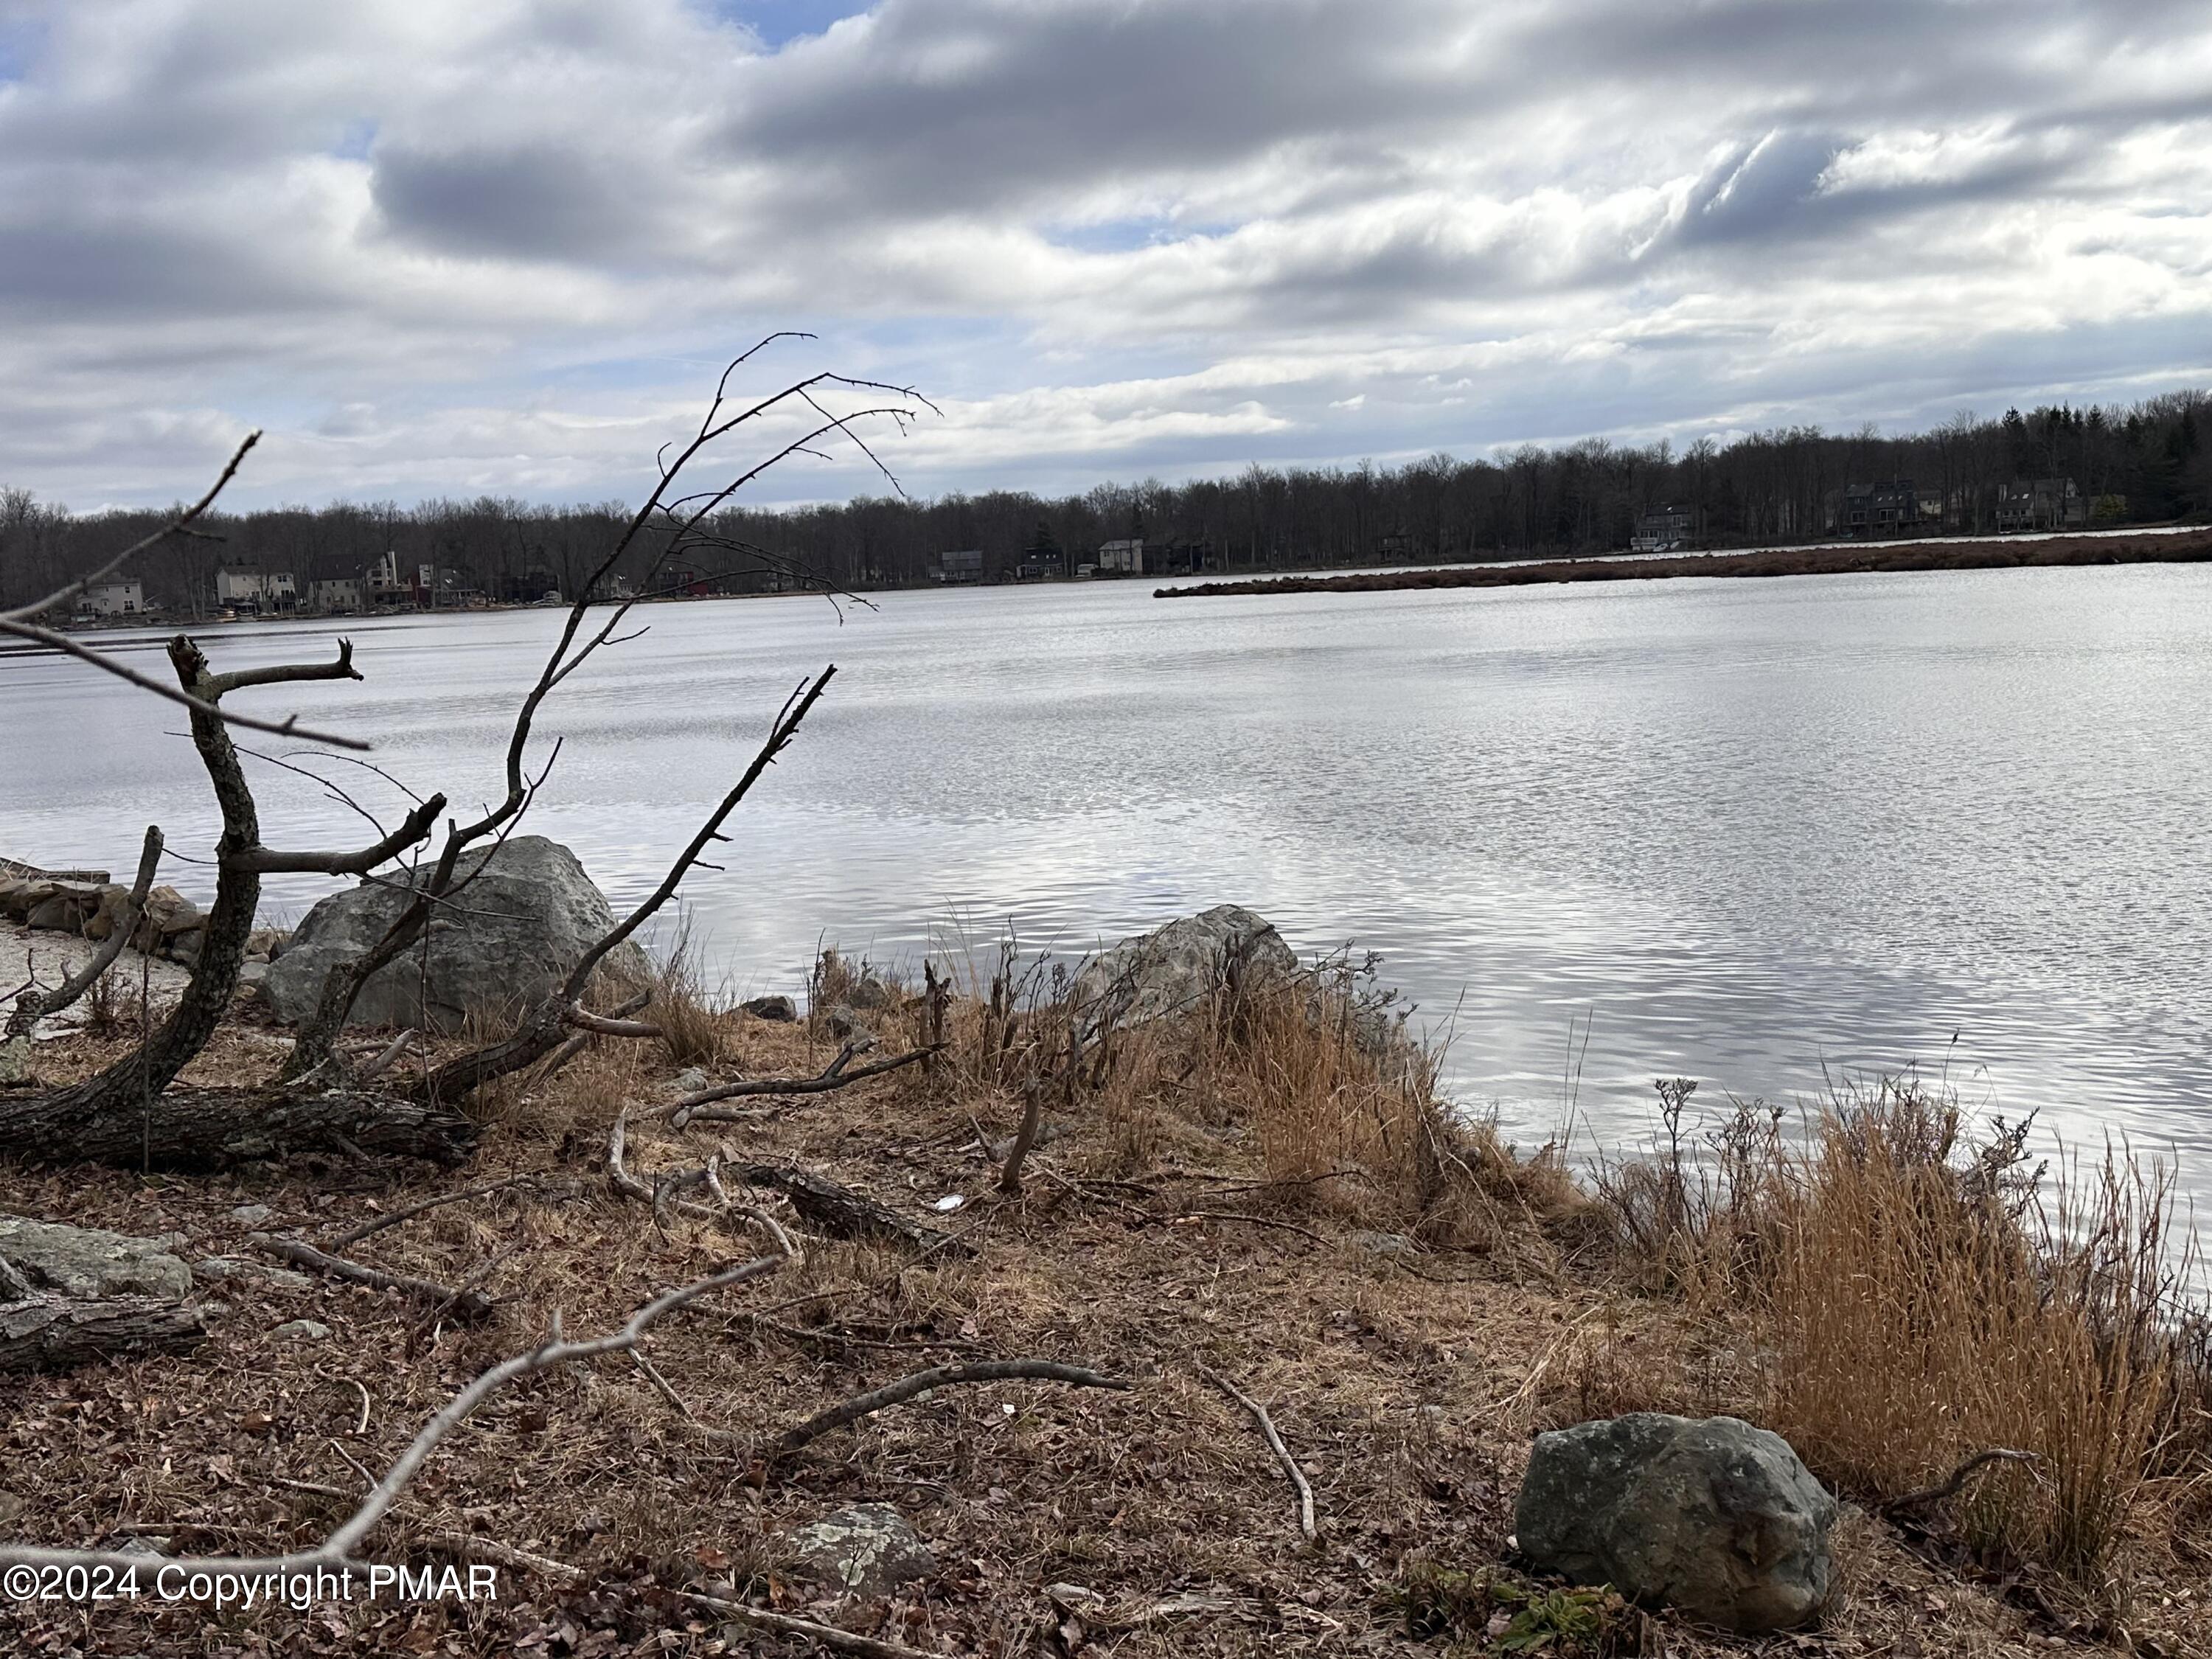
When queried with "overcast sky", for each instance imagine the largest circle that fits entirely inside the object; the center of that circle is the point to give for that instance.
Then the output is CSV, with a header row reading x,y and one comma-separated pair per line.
x,y
439,248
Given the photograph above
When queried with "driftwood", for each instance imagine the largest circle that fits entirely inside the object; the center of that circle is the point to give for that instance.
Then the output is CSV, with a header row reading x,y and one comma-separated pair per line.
x,y
940,1377
1296,1475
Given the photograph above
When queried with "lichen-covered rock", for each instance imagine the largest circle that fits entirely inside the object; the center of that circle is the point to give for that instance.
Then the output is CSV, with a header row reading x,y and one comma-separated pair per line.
x,y
779,1009
861,1553
90,1261
1175,967
505,942
1712,1517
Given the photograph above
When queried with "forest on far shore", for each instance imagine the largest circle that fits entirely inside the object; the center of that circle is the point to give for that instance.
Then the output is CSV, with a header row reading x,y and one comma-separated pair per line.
x,y
2149,463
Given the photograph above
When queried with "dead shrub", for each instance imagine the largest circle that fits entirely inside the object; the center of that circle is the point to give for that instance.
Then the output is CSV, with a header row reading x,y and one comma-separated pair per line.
x,y
1918,1293
697,1029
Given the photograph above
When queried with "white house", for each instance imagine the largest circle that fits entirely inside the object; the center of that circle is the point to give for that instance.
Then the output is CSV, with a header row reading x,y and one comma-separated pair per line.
x,y
1127,556
118,596
245,587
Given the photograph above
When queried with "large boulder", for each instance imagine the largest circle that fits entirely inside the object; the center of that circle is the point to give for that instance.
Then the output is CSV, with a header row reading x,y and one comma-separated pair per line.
x,y
497,946
1174,967
1711,1516
91,1262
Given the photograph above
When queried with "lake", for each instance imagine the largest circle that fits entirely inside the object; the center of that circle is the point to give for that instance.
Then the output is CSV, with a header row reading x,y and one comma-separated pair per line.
x,y
1758,833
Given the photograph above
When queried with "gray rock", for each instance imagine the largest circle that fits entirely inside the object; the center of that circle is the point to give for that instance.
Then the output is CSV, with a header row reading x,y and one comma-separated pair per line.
x,y
846,1026
251,1215
91,1262
1384,1243
1714,1517
781,1010
505,943
691,1080
218,1269
62,906
860,1553
871,993
266,943
302,1330
1175,967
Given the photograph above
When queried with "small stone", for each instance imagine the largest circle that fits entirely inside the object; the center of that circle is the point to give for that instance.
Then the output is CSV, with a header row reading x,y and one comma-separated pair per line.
x,y
1384,1244
251,1215
691,1079
302,1330
846,1026
781,1010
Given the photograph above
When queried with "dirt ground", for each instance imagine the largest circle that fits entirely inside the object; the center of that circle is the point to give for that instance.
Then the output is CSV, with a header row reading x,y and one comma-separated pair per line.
x,y
1406,1381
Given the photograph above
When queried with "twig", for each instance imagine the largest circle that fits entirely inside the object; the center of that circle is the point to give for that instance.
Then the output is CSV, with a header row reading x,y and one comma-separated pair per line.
x,y
1950,1488
827,1635
468,1304
338,1549
1297,1475
378,1224
834,1076
460,1543
1010,1178
892,1393
1257,1220
667,1388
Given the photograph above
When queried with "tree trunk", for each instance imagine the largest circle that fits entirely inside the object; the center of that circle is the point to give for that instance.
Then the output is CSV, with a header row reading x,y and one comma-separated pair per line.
x,y
51,1333
123,1088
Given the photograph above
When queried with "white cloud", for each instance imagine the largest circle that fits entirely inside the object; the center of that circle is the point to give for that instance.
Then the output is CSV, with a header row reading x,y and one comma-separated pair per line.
x,y
503,247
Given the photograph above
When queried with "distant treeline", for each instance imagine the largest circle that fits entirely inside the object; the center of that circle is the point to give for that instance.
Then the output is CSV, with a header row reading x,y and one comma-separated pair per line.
x,y
2150,463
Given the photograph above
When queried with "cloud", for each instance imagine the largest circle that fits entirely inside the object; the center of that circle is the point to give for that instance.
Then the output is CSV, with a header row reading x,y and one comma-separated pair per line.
x,y
504,246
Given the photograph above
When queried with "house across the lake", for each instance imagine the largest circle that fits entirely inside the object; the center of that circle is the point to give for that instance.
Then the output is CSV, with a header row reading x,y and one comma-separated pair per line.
x,y
1126,557
117,596
1664,529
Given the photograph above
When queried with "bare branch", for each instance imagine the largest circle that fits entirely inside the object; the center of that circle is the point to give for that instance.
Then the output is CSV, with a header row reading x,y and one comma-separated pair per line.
x,y
337,1550
175,526
469,1304
268,861
695,1107
939,1376
1297,1476
600,1026
288,727
31,1007
285,673
778,737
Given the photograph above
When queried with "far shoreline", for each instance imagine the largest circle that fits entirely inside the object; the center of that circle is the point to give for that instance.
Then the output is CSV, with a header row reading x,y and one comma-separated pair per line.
x,y
1976,553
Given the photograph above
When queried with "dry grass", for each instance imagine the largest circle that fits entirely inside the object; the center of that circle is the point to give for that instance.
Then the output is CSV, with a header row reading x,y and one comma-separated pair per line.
x,y
1916,1294
1406,1377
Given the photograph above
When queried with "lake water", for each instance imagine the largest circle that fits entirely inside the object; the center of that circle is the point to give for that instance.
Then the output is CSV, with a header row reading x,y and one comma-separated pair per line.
x,y
1750,832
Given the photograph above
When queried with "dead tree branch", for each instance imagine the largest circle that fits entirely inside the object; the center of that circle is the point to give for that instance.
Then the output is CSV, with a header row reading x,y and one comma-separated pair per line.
x,y
468,1304
834,1076
40,1332
784,1624
1952,1487
375,1224
31,1007
268,861
338,1549
1297,1476
938,1376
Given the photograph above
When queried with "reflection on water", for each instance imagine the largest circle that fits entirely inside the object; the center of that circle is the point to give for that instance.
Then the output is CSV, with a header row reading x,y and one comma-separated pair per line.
x,y
1750,829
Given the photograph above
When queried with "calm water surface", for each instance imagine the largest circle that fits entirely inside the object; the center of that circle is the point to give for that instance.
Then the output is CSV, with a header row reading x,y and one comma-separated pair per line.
x,y
1744,831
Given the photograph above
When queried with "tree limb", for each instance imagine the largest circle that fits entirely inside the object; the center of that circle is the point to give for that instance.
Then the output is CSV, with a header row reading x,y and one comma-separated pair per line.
x,y
337,1550
267,861
939,1376
31,1007
468,1304
1297,1476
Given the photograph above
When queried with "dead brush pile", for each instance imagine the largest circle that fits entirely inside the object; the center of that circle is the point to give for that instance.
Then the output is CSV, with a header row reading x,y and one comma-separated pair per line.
x,y
1915,1294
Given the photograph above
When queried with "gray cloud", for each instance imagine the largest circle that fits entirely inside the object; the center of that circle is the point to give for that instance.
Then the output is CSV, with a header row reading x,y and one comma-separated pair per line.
x,y
1115,233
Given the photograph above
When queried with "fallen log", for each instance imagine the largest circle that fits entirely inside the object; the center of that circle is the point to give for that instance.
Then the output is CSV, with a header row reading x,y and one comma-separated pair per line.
x,y
202,1129
44,1333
